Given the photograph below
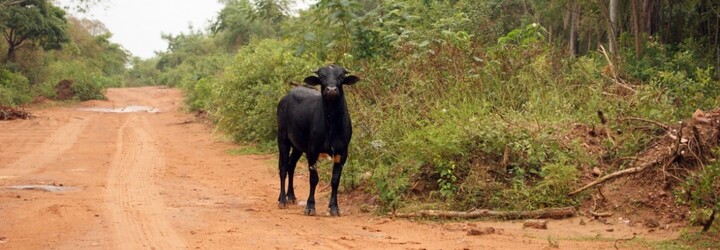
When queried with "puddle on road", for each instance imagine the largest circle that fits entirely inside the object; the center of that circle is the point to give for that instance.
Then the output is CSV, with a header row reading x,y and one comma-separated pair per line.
x,y
47,188
128,109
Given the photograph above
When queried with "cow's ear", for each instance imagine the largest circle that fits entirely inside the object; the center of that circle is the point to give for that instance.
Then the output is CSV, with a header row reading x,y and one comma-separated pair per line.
x,y
350,80
312,80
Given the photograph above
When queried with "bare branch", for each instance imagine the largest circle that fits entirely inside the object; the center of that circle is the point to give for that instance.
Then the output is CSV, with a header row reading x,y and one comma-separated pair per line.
x,y
607,178
659,124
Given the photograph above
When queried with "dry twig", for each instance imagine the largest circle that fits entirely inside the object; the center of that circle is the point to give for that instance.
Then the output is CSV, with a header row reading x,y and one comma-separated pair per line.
x,y
617,79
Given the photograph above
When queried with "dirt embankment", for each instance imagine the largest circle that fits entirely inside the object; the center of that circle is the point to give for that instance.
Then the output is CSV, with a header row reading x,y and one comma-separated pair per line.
x,y
76,178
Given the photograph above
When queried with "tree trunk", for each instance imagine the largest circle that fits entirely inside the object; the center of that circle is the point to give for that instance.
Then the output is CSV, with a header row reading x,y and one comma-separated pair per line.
x,y
574,19
669,22
636,27
550,34
14,42
717,49
10,53
654,12
613,30
604,10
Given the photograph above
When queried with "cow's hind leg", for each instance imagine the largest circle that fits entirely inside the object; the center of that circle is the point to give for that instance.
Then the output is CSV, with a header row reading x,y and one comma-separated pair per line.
x,y
284,148
292,163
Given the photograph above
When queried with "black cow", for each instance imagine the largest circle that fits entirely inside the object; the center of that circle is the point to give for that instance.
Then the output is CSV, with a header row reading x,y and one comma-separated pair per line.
x,y
314,123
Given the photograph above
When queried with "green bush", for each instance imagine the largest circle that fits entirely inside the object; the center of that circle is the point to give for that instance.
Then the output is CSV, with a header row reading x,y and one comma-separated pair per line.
x,y
14,88
90,88
701,191
199,96
689,93
89,83
245,98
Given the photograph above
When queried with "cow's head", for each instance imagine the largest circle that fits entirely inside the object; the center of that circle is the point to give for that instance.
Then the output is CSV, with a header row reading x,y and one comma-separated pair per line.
x,y
331,79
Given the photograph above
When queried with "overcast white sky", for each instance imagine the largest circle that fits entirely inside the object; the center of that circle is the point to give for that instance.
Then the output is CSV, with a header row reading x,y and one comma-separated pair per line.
x,y
138,24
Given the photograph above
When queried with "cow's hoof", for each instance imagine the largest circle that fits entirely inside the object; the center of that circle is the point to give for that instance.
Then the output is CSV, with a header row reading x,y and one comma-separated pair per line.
x,y
310,211
282,205
335,212
292,200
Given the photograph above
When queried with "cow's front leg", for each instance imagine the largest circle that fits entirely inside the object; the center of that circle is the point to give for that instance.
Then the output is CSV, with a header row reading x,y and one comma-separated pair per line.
x,y
314,179
338,164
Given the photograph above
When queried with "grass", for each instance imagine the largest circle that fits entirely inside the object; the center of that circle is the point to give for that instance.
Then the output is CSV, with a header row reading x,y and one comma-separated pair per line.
x,y
252,149
694,240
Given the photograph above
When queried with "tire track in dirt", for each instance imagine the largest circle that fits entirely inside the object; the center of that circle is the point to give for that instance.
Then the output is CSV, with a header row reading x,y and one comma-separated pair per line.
x,y
138,214
48,151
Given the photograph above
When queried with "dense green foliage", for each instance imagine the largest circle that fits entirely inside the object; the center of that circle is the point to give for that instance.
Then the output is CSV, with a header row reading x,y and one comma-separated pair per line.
x,y
14,88
702,192
33,21
46,46
249,92
481,102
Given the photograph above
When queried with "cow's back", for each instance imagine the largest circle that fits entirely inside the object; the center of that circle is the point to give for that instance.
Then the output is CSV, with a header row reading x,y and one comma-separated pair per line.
x,y
296,112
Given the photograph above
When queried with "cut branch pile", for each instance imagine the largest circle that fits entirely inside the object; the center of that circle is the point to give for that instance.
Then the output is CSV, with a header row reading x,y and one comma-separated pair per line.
x,y
682,147
9,113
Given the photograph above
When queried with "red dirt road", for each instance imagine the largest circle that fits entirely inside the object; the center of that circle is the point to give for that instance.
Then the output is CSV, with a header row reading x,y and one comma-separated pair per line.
x,y
151,181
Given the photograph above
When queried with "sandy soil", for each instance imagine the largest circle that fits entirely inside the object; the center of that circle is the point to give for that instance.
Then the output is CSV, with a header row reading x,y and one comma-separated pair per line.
x,y
147,180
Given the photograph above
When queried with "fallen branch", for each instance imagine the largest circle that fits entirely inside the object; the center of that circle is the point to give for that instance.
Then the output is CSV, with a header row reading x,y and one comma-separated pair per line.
x,y
539,224
607,178
659,124
552,213
644,165
181,123
600,215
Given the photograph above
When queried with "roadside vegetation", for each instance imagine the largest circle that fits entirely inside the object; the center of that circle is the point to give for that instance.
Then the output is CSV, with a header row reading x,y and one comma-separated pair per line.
x,y
465,104
462,104
43,46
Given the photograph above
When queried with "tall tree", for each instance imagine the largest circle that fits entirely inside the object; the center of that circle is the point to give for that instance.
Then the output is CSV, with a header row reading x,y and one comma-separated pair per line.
x,y
574,24
606,9
612,36
33,22
636,17
241,19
